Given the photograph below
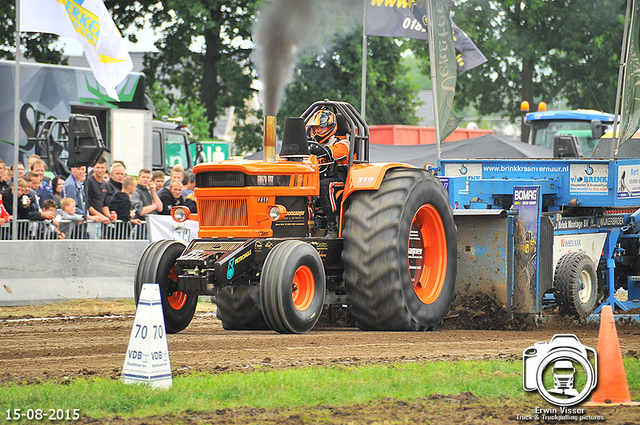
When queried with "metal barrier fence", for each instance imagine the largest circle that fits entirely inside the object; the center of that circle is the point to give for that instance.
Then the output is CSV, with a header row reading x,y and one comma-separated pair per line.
x,y
45,271
117,230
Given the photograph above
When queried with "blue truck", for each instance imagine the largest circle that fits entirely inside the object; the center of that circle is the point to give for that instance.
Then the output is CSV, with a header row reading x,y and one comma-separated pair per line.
x,y
588,125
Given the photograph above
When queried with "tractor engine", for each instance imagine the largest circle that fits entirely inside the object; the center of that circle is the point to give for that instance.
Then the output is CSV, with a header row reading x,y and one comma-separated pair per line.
x,y
245,205
239,199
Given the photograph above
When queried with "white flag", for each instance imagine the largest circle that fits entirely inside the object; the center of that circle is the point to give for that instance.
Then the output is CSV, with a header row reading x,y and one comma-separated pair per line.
x,y
89,22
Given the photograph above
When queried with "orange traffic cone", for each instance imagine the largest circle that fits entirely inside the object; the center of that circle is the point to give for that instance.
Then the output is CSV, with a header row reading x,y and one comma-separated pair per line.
x,y
612,381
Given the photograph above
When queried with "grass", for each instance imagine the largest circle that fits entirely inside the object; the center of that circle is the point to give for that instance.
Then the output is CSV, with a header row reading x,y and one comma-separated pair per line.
x,y
495,382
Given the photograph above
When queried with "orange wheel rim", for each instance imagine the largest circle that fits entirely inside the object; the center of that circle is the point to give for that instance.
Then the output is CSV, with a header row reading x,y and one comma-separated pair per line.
x,y
303,288
178,299
427,254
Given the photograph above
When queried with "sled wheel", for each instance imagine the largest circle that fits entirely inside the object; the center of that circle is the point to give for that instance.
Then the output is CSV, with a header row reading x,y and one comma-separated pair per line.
x,y
400,253
576,285
238,308
157,265
292,287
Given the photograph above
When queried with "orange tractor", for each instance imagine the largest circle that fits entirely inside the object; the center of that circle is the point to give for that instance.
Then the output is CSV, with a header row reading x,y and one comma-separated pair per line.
x,y
261,253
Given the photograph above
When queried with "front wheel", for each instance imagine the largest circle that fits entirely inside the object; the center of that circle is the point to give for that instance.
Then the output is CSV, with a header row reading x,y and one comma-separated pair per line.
x,y
576,285
157,265
292,287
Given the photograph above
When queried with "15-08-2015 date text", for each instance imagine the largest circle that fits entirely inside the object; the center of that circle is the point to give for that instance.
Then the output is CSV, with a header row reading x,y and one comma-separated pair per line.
x,y
43,414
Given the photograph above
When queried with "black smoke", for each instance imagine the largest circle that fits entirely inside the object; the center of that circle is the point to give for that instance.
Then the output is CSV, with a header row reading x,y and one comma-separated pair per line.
x,y
284,28
281,30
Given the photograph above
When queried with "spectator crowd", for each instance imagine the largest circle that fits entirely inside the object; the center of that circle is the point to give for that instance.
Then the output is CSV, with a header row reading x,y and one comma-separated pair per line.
x,y
60,208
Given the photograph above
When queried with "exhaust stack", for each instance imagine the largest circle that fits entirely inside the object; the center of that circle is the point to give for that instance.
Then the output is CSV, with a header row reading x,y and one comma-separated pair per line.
x,y
269,138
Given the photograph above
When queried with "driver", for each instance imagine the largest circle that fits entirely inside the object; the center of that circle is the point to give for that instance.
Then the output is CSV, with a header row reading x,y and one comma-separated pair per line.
x,y
332,152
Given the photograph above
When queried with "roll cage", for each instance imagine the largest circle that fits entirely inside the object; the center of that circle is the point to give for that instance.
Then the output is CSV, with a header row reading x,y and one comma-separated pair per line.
x,y
356,127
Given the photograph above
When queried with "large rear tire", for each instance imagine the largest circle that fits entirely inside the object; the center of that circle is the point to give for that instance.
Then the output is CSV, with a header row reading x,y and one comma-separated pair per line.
x,y
238,308
157,265
400,253
292,287
576,285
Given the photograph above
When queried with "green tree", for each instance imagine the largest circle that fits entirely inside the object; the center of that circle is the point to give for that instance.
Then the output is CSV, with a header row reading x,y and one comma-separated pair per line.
x,y
194,115
34,46
336,73
248,131
204,54
540,50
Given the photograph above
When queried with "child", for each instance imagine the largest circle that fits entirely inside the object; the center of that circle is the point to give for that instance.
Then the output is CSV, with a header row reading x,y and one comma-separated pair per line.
x,y
121,203
50,225
67,216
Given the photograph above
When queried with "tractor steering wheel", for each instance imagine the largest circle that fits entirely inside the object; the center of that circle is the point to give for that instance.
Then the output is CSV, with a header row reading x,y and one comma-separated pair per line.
x,y
327,155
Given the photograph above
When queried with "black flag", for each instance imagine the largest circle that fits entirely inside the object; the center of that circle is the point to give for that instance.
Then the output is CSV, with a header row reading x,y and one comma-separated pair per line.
x,y
398,19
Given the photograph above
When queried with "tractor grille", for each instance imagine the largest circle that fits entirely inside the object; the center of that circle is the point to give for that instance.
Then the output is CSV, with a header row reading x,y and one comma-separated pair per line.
x,y
220,179
239,179
223,212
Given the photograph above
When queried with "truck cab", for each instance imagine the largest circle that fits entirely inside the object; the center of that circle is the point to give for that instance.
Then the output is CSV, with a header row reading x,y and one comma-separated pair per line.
x,y
170,146
587,125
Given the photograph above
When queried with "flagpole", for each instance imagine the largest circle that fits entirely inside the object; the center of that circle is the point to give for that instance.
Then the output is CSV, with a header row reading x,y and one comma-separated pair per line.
x,y
363,89
615,142
434,90
16,125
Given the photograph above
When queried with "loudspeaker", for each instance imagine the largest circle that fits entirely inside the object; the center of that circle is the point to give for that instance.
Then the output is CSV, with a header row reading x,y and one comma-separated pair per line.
x,y
85,141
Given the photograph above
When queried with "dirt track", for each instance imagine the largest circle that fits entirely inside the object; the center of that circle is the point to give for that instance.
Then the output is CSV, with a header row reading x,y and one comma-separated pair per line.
x,y
61,349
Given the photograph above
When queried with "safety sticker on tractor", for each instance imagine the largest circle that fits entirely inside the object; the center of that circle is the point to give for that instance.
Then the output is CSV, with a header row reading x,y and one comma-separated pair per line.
x,y
588,179
628,181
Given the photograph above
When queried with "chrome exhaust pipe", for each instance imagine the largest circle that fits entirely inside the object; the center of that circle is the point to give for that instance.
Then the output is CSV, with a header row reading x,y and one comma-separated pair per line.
x,y
269,138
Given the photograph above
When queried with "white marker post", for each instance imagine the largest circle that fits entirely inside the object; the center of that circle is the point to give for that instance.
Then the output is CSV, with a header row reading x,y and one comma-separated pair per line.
x,y
147,360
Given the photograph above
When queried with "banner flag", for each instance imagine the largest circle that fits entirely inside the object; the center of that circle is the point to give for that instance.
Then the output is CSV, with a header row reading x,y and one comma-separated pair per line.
x,y
408,19
89,22
467,54
443,62
630,116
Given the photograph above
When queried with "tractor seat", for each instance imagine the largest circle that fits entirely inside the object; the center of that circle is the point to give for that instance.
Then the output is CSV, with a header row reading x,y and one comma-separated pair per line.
x,y
343,126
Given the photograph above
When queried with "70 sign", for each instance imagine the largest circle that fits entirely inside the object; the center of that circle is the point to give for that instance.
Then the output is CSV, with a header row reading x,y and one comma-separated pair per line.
x,y
142,331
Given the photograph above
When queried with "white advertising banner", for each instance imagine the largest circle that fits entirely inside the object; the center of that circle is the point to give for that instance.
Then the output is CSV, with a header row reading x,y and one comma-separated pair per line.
x,y
165,227
589,243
